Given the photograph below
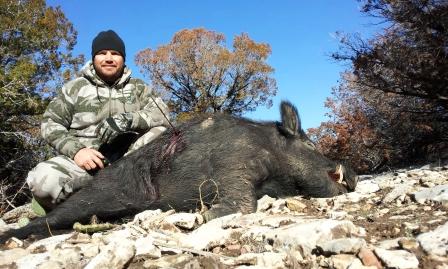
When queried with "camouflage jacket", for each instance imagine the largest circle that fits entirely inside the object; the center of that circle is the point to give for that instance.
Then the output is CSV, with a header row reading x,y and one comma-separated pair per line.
x,y
71,118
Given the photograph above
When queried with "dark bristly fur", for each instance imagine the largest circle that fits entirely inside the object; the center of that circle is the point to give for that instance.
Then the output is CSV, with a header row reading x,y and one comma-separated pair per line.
x,y
240,159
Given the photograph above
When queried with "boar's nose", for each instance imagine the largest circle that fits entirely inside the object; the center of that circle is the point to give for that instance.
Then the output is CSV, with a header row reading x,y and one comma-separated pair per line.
x,y
342,176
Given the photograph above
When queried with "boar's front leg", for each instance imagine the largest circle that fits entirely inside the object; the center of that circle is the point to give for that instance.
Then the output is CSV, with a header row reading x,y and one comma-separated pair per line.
x,y
235,187
234,195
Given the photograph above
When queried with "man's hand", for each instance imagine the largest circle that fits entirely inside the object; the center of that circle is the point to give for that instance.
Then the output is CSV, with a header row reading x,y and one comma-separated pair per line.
x,y
111,127
89,159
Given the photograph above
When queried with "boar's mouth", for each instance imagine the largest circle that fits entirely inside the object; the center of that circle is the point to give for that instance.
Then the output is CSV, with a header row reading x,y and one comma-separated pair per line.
x,y
341,176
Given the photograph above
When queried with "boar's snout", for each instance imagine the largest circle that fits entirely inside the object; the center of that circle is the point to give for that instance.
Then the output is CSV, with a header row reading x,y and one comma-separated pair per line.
x,y
344,176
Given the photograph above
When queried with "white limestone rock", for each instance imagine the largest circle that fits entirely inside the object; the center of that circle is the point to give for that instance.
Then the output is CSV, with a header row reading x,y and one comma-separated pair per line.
x,y
438,193
276,221
145,215
337,215
32,260
67,258
262,260
343,245
9,256
384,181
435,242
264,203
115,235
3,226
182,220
367,187
255,233
170,261
400,259
398,191
343,261
389,244
49,243
247,220
114,255
150,219
210,234
145,248
307,235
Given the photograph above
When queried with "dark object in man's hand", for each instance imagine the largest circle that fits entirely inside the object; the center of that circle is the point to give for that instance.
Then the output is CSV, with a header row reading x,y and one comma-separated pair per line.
x,y
118,147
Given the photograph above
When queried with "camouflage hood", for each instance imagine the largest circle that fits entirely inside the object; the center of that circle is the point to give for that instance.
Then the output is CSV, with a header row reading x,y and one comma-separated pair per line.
x,y
88,71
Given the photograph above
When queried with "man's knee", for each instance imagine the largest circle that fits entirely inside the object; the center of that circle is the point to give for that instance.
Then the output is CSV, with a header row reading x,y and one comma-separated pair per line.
x,y
45,182
54,179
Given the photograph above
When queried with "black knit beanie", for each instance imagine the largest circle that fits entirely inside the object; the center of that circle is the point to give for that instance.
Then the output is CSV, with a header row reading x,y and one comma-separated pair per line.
x,y
108,40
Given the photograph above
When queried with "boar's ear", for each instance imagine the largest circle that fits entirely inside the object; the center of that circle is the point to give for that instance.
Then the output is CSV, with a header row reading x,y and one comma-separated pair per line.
x,y
290,125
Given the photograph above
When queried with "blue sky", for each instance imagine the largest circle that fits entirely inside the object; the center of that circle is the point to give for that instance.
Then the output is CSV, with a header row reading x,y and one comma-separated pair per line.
x,y
301,35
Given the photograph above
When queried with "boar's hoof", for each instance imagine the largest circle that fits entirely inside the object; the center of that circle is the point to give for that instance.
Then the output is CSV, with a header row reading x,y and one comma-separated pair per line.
x,y
208,216
217,211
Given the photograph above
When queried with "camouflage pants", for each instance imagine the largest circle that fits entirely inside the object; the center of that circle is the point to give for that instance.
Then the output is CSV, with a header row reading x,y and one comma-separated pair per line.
x,y
52,181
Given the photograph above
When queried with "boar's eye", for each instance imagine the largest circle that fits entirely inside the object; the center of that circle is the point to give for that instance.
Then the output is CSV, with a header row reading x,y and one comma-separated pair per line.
x,y
310,144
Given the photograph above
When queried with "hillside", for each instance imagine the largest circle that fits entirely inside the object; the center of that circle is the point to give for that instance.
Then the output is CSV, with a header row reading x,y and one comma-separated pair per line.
x,y
393,220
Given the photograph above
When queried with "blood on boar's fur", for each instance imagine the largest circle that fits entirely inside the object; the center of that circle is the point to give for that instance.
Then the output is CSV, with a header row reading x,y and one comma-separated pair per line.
x,y
223,162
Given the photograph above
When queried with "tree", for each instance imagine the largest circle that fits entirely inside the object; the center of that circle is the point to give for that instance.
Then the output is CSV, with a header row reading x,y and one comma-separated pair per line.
x,y
396,90
369,132
349,135
411,57
35,57
36,45
201,75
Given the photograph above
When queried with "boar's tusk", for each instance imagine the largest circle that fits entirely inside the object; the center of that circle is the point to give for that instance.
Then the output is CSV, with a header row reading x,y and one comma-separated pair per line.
x,y
340,172
337,175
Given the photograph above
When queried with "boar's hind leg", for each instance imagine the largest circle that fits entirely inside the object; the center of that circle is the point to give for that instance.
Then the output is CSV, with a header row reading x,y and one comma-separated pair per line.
x,y
62,217
37,227
105,199
100,199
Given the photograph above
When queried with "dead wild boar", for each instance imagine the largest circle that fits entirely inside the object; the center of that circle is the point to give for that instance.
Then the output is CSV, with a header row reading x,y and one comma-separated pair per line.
x,y
221,162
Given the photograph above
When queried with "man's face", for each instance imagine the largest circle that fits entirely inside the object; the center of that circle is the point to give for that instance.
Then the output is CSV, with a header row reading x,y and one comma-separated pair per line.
x,y
108,65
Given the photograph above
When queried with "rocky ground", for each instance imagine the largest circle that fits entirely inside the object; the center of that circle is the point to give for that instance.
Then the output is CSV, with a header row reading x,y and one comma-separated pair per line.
x,y
392,220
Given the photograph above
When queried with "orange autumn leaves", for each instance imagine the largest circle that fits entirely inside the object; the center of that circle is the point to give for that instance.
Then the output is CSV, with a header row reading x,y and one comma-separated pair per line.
x,y
390,107
199,74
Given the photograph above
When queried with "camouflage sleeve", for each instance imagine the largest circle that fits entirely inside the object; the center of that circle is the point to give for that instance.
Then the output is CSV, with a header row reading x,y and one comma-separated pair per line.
x,y
56,123
150,115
